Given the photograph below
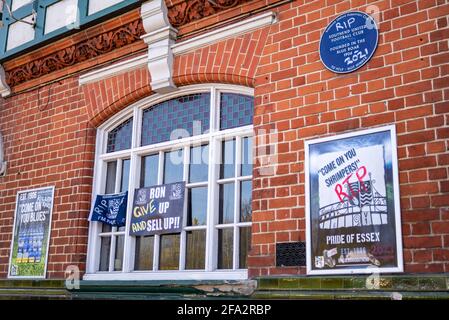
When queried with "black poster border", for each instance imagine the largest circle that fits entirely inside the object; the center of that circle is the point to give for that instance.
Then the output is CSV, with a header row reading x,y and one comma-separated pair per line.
x,y
311,227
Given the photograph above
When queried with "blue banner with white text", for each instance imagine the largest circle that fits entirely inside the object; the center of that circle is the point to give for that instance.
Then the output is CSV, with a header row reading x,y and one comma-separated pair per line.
x,y
110,209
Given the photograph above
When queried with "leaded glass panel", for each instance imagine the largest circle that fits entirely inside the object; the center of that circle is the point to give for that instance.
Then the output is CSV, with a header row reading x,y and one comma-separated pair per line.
x,y
190,115
236,110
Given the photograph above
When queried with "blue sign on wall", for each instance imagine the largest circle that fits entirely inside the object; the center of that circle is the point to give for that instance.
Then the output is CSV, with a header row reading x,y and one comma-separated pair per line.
x,y
349,42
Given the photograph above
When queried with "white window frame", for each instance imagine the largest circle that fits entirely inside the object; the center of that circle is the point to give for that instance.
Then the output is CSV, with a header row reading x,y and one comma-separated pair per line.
x,y
214,136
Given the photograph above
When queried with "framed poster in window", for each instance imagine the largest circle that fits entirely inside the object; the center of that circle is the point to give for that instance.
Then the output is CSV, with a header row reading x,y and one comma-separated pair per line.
x,y
353,220
31,233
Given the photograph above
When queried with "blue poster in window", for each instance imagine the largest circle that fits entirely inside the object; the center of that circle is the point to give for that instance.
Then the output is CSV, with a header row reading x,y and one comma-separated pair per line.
x,y
110,209
349,42
158,209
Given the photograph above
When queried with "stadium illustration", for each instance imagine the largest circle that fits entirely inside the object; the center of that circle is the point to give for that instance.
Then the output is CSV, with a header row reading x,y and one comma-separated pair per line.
x,y
366,207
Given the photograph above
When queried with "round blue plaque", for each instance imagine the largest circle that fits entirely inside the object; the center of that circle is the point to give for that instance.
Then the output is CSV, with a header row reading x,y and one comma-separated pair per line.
x,y
349,42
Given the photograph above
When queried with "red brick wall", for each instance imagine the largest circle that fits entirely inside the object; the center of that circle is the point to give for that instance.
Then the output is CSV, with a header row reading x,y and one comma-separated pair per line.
x,y
406,83
48,141
50,132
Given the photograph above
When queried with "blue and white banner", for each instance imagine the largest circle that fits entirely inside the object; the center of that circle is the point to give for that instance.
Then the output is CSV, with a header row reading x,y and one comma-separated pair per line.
x,y
110,209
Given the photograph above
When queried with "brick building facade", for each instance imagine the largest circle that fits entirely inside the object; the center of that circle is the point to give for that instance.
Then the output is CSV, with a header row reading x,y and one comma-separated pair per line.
x,y
56,95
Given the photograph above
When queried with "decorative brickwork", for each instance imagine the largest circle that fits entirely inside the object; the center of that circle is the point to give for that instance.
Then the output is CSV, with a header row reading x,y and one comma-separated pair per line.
x,y
77,53
187,11
231,61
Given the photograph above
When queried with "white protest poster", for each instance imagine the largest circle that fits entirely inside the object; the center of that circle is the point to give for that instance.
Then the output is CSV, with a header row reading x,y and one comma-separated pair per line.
x,y
352,203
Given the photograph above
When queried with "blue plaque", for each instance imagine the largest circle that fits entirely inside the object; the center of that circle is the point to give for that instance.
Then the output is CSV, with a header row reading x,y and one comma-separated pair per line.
x,y
349,42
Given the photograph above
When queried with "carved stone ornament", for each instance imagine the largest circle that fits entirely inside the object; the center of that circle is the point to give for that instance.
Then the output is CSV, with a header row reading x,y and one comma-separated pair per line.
x,y
160,37
187,11
156,29
79,52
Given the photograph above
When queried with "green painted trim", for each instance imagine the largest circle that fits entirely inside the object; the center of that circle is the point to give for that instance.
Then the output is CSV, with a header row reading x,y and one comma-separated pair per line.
x,y
146,296
347,295
411,286
33,289
139,286
7,283
180,289
402,283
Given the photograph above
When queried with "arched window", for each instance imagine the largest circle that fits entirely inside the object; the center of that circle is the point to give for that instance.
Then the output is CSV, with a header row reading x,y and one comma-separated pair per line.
x,y
200,135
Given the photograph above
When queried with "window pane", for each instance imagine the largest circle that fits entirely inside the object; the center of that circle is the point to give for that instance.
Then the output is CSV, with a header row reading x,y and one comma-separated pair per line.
x,y
225,240
111,174
169,252
196,249
144,253
198,171
98,5
20,33
247,156
16,4
197,206
105,250
188,115
245,246
110,177
125,175
106,227
120,137
245,201
110,188
55,20
226,209
236,110
119,246
227,169
173,166
149,172
124,183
